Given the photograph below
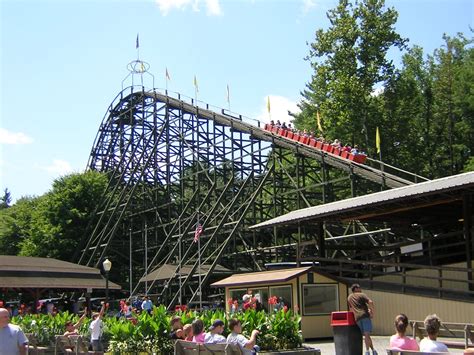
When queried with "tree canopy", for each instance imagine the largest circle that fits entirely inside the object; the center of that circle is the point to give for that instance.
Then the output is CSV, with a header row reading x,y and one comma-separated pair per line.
x,y
52,225
424,109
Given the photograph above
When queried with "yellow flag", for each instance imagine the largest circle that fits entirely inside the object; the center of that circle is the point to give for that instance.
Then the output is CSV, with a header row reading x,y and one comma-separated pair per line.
x,y
196,84
268,104
318,120
377,140
167,75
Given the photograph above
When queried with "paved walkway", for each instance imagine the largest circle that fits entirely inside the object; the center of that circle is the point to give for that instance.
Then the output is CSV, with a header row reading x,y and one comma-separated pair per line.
x,y
380,343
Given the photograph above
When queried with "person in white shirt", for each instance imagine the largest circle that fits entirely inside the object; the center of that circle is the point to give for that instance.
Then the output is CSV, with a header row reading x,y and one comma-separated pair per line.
x,y
214,335
147,305
96,329
247,345
432,325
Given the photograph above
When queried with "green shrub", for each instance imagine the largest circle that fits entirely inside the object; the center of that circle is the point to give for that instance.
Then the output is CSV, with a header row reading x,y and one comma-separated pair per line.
x,y
150,333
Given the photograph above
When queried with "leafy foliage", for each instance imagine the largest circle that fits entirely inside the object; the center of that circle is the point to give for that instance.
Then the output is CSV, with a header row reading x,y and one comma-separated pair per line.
x,y
150,333
425,109
52,225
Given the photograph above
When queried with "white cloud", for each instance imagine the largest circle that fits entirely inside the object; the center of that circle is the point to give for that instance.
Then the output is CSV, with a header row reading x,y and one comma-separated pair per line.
x,y
308,5
279,107
213,7
7,137
58,167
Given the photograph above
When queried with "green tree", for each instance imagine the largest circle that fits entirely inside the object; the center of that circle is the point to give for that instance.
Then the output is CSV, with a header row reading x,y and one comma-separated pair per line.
x,y
6,199
15,223
407,115
453,90
60,217
349,62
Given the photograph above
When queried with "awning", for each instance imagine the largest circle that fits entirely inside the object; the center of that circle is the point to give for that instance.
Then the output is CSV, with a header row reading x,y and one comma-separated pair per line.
x,y
263,277
429,193
167,271
34,272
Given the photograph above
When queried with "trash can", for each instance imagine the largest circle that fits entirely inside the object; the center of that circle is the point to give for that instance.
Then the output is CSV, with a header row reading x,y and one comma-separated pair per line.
x,y
347,334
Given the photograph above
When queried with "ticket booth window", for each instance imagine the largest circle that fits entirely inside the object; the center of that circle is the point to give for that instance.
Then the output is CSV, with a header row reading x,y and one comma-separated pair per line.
x,y
320,299
284,295
237,294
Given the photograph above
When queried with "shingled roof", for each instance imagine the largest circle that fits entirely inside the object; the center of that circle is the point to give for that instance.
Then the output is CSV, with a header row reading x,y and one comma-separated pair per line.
x,y
34,272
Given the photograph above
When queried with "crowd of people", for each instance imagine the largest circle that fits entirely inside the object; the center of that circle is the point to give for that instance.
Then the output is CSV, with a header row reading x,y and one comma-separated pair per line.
x,y
359,303
195,332
336,143
363,308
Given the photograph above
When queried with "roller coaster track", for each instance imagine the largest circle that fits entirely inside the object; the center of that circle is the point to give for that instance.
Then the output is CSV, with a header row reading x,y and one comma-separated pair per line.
x,y
377,175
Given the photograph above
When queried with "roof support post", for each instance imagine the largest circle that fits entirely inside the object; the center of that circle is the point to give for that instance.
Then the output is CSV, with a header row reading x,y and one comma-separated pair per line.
x,y
321,240
467,215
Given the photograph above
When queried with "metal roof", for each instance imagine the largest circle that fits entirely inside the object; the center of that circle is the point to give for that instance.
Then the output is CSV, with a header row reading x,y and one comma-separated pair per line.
x,y
445,189
34,272
263,277
167,271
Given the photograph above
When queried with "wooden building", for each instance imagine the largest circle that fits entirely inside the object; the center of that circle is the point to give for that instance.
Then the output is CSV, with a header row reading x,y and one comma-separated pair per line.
x,y
313,295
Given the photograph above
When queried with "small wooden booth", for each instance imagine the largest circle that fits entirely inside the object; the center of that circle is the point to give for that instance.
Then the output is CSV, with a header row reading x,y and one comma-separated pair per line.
x,y
313,295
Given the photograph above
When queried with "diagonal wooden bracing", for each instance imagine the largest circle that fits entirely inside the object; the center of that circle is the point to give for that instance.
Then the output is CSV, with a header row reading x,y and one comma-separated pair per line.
x,y
171,163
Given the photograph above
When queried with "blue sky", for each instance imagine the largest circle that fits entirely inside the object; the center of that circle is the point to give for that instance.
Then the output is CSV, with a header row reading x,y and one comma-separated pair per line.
x,y
62,63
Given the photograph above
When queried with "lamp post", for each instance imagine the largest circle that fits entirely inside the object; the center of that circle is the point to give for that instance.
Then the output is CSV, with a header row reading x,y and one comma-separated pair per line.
x,y
107,264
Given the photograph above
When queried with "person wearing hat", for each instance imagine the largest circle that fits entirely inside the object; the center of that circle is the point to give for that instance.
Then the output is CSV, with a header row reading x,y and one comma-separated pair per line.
x,y
247,302
214,335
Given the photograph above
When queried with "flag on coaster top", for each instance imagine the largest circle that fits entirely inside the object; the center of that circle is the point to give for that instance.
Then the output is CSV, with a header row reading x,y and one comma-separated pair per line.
x,y
138,43
197,233
196,87
167,75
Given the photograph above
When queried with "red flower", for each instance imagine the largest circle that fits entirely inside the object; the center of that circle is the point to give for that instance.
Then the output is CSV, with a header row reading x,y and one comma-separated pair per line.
x,y
285,309
273,300
230,301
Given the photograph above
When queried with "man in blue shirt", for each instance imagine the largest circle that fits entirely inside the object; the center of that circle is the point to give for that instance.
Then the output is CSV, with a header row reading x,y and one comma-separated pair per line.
x,y
147,305
12,339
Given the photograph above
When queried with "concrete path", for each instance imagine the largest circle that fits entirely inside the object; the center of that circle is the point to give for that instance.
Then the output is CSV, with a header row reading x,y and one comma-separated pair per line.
x,y
380,344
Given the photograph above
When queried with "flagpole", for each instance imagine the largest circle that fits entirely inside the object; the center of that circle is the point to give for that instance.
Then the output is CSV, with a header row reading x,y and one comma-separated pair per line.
x,y
131,265
228,96
146,257
179,264
199,267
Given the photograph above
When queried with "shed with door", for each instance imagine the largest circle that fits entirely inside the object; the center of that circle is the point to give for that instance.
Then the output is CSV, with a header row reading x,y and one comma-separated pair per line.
x,y
313,295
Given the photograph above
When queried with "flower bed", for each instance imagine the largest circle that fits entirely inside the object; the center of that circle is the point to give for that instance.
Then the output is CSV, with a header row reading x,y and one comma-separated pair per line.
x,y
150,333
